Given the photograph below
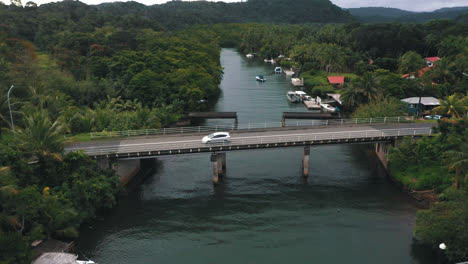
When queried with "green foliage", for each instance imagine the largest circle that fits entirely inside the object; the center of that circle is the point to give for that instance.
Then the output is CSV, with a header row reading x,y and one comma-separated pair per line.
x,y
381,107
445,222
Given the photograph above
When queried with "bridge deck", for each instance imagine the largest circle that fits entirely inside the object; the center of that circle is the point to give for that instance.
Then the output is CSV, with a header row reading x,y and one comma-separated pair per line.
x,y
308,115
174,144
213,115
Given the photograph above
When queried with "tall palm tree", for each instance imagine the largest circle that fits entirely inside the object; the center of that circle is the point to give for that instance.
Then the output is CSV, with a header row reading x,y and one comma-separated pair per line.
x,y
454,105
457,160
369,86
40,136
442,73
352,96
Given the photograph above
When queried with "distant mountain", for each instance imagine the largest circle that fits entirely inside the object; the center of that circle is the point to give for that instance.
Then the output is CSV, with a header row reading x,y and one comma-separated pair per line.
x,y
384,14
378,11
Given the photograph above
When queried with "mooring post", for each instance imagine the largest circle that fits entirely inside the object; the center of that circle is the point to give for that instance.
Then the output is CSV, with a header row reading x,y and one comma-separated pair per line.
x,y
214,162
305,162
219,158
283,121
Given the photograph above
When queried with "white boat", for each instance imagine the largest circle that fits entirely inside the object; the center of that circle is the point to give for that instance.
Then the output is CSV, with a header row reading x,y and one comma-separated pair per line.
x,y
297,82
293,97
278,70
288,73
296,96
249,56
260,78
328,108
266,60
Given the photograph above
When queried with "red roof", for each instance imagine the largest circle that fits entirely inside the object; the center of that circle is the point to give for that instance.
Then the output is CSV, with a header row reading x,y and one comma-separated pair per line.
x,y
420,73
433,59
336,79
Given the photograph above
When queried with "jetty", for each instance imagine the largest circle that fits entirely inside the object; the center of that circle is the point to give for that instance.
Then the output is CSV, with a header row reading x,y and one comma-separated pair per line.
x,y
312,105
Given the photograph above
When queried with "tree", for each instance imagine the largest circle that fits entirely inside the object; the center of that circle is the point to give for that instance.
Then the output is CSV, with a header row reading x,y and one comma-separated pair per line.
x,y
369,85
380,108
457,160
40,135
454,105
410,62
352,96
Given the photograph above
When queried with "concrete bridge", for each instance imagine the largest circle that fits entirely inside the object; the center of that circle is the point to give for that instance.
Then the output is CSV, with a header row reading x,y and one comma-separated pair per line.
x,y
175,144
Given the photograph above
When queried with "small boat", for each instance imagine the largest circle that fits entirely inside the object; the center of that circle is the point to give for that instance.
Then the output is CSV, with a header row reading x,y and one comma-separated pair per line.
x,y
292,97
278,70
328,108
288,73
260,78
297,81
296,96
249,56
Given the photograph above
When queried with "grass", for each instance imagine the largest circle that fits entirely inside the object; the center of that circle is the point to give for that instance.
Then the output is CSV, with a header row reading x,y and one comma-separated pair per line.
x,y
420,177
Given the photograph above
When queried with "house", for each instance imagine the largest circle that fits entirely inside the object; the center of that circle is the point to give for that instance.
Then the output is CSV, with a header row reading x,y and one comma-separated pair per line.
x,y
431,60
336,81
412,75
427,104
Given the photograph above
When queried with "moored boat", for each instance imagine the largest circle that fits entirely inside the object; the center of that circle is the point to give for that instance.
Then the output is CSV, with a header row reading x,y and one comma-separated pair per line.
x,y
278,70
260,78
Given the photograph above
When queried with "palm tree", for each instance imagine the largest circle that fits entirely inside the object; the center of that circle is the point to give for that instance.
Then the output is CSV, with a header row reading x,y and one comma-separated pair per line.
x,y
454,105
442,73
352,96
457,160
40,136
369,85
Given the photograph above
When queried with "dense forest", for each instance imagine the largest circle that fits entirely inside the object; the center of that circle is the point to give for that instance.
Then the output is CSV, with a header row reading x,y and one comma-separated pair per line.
x,y
71,68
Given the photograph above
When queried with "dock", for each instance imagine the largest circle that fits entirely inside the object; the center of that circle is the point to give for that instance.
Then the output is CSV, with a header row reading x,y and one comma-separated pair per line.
x,y
311,105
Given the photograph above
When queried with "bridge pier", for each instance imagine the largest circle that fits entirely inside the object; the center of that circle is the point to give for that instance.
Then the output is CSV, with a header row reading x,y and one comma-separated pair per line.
x,y
305,162
218,162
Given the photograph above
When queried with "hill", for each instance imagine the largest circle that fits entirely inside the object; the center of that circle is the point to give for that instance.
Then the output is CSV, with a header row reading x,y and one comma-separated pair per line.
x,y
176,14
383,14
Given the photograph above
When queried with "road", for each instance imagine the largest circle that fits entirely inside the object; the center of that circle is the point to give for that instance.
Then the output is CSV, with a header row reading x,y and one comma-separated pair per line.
x,y
248,137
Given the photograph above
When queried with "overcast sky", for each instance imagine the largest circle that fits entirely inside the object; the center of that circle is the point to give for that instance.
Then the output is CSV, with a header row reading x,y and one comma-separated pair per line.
x,y
412,5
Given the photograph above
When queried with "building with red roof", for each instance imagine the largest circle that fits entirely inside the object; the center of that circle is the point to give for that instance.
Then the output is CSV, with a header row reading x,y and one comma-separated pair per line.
x,y
431,60
412,75
337,81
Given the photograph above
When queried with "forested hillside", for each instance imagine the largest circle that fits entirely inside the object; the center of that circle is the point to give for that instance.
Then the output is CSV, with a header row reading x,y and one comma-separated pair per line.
x,y
384,14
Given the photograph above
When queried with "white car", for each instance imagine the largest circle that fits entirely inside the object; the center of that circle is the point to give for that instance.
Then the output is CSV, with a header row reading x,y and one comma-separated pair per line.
x,y
217,137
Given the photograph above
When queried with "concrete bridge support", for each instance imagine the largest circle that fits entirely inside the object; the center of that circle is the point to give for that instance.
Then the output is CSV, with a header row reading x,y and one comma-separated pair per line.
x,y
382,150
305,162
218,162
125,169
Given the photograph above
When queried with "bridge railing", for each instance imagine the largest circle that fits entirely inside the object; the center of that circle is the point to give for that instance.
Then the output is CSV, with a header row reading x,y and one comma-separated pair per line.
x,y
215,128
236,141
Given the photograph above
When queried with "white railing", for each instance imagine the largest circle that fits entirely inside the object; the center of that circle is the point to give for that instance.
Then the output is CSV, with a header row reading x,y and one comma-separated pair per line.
x,y
264,125
195,144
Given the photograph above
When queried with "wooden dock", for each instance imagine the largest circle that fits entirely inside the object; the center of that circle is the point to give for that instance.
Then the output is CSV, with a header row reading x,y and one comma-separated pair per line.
x,y
311,105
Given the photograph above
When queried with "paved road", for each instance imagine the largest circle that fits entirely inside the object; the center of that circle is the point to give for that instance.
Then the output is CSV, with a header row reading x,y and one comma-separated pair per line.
x,y
169,142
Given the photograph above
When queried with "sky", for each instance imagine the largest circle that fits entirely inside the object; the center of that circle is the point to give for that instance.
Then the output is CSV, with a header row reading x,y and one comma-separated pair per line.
x,y
411,5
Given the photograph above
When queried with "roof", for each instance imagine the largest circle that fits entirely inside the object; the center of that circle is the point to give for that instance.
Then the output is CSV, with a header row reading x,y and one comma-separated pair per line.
x,y
424,100
335,96
420,73
336,79
433,59
56,258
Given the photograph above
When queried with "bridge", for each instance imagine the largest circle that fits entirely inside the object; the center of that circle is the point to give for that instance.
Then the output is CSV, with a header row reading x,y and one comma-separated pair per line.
x,y
175,144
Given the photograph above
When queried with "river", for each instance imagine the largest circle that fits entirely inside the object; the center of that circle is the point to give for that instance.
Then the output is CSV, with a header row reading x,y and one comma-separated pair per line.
x,y
347,211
